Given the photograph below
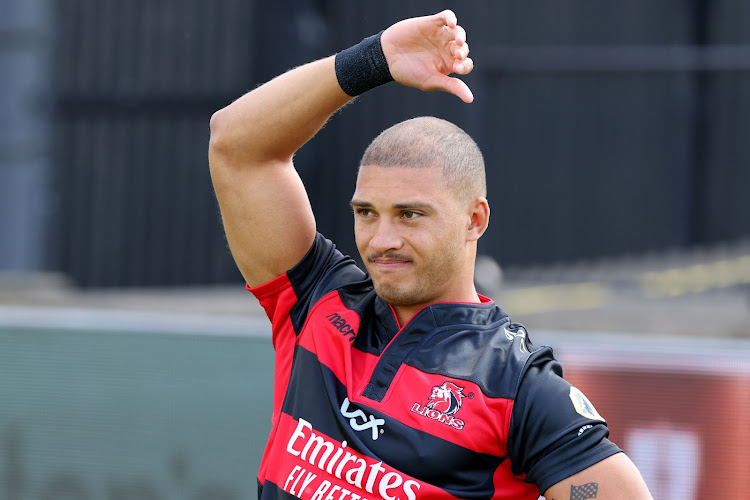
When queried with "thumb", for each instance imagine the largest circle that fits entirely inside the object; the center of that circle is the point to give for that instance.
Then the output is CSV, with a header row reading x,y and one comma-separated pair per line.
x,y
456,87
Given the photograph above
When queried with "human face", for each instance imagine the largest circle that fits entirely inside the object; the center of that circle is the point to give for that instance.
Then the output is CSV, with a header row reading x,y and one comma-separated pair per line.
x,y
410,231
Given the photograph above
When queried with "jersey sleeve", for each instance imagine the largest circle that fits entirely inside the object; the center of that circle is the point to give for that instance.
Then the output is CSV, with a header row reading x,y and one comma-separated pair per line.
x,y
555,431
292,295
288,298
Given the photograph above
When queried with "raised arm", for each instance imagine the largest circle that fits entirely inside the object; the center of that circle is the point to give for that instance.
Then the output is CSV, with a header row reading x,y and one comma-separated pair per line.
x,y
264,207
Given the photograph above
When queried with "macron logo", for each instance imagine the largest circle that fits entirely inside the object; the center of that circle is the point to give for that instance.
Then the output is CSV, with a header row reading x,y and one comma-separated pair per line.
x,y
341,325
367,423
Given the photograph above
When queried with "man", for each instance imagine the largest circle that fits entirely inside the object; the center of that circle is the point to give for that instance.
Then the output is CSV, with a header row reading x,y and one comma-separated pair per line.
x,y
401,383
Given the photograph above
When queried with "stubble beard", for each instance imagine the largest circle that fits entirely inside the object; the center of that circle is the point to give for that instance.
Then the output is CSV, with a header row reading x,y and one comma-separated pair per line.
x,y
399,294
426,288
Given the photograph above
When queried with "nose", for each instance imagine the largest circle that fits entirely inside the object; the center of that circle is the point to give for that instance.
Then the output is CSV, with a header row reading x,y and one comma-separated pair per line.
x,y
385,237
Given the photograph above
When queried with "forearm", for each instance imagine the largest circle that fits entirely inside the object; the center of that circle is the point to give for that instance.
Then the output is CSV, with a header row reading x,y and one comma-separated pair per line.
x,y
270,123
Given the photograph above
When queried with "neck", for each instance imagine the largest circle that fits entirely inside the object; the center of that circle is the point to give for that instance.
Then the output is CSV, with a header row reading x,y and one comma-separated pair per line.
x,y
406,313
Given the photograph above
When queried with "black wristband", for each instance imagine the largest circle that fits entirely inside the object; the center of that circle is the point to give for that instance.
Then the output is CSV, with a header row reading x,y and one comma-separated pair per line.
x,y
362,67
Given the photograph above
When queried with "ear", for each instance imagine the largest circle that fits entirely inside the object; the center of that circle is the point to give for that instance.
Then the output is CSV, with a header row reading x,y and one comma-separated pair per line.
x,y
479,214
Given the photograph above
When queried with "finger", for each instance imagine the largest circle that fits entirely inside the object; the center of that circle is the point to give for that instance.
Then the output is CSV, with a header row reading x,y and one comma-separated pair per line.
x,y
446,18
447,42
460,35
461,52
463,67
448,35
458,51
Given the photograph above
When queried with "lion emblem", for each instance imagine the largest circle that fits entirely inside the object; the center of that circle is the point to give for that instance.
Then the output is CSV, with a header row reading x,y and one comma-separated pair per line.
x,y
446,398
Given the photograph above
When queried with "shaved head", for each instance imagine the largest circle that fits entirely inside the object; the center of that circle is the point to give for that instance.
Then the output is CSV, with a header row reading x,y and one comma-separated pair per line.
x,y
426,142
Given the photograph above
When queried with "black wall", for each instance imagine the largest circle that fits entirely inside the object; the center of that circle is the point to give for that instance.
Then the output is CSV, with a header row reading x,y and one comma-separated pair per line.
x,y
607,128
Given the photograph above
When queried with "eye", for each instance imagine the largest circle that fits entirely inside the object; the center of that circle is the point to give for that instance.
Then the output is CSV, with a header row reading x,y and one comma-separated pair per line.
x,y
364,212
408,214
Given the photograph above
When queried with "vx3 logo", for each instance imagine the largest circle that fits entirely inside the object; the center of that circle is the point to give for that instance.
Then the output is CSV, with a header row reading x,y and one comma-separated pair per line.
x,y
369,423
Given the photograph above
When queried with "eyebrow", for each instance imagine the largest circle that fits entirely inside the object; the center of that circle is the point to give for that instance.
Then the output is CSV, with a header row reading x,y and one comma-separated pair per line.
x,y
358,203
417,205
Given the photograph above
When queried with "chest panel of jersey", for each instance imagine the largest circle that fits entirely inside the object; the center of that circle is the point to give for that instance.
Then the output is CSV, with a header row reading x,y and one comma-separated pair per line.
x,y
365,409
430,427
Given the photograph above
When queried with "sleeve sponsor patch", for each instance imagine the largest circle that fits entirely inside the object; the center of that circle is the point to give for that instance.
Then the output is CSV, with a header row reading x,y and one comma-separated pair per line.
x,y
583,406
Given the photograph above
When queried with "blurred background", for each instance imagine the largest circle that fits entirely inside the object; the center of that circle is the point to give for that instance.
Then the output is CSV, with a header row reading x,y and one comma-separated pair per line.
x,y
134,366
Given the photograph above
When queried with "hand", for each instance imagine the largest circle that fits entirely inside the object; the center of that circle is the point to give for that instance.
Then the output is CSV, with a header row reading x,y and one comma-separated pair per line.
x,y
422,52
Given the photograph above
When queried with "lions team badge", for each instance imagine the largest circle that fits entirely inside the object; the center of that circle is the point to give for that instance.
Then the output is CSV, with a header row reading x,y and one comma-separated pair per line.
x,y
444,402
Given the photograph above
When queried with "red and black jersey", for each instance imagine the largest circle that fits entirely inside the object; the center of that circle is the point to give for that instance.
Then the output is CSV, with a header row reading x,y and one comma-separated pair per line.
x,y
457,403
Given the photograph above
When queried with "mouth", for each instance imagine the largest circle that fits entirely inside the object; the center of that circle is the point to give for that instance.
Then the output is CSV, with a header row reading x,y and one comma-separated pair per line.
x,y
389,262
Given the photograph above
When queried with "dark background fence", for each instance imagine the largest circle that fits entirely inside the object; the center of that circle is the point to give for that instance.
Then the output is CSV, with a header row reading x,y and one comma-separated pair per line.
x,y
608,129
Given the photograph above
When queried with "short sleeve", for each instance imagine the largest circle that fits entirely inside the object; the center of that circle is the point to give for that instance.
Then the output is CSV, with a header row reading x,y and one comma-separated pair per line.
x,y
555,431
287,300
321,270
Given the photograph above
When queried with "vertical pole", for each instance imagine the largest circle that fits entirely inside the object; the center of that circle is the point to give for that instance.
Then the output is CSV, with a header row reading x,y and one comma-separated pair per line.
x,y
24,134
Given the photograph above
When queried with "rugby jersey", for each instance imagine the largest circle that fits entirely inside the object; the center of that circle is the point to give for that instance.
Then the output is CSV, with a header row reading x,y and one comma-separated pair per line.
x,y
456,403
